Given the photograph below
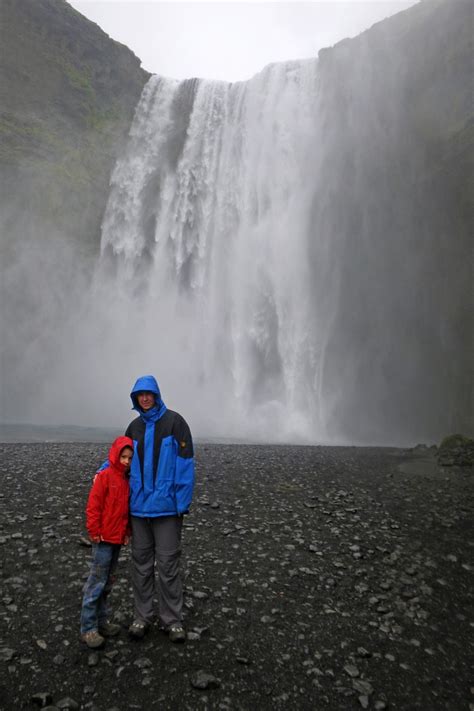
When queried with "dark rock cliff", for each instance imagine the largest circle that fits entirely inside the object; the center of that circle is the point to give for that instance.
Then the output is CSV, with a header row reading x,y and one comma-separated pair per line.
x,y
68,94
400,127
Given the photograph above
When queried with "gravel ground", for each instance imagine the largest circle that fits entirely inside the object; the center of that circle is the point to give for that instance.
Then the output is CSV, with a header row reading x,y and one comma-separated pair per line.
x,y
315,578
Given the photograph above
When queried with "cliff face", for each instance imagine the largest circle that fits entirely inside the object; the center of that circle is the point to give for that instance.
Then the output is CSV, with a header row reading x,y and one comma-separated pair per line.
x,y
400,132
67,98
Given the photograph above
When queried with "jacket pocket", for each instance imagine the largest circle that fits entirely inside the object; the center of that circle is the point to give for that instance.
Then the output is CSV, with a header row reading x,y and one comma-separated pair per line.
x,y
164,499
167,461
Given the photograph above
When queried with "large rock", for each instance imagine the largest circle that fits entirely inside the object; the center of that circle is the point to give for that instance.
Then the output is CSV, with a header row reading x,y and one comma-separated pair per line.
x,y
456,450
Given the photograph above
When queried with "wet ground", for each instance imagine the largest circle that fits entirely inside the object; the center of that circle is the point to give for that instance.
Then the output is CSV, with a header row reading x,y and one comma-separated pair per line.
x,y
315,577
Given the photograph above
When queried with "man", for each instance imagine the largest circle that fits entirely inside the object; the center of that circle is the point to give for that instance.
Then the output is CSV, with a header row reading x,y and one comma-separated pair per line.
x,y
161,489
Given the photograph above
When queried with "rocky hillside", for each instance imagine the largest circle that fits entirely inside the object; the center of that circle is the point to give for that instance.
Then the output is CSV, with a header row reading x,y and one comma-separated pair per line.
x,y
67,98
400,133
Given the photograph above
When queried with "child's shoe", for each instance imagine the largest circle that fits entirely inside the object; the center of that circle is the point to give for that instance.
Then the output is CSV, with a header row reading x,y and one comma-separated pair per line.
x,y
93,639
109,629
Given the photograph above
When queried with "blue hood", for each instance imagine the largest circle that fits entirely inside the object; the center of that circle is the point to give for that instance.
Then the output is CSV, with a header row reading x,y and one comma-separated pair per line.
x,y
148,382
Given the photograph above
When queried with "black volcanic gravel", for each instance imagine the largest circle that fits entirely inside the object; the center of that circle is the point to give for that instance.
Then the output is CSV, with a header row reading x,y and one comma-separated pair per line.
x,y
315,578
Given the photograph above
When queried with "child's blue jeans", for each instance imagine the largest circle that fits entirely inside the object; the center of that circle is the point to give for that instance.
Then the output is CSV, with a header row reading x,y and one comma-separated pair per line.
x,y
99,584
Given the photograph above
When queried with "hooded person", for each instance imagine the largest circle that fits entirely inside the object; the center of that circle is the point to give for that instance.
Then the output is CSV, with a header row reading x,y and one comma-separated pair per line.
x,y
161,490
108,526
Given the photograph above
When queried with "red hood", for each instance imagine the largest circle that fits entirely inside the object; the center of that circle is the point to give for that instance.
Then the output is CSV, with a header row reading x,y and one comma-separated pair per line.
x,y
115,450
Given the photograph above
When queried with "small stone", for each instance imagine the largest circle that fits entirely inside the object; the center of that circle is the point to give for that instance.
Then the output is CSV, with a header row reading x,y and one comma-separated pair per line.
x,y
59,659
203,680
363,687
67,703
351,670
93,659
201,630
364,701
6,654
42,698
143,663
41,644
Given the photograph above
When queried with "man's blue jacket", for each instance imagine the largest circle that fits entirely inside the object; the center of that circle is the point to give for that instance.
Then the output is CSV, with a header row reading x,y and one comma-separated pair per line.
x,y
162,470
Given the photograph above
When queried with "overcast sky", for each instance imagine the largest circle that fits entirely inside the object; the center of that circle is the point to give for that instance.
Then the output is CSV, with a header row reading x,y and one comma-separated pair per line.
x,y
230,40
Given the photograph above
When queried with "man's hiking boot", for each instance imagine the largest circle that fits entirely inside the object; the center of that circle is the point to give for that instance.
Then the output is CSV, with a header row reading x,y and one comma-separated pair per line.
x,y
109,629
93,639
176,633
138,629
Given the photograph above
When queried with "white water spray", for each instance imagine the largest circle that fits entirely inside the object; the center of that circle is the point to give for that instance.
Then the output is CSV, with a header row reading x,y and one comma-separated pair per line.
x,y
206,241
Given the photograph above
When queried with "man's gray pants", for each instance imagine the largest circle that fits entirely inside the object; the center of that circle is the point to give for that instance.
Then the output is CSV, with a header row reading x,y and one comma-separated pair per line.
x,y
157,539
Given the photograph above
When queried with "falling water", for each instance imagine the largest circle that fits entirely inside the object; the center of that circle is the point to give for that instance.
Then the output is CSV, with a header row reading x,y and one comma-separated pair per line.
x,y
206,232
271,251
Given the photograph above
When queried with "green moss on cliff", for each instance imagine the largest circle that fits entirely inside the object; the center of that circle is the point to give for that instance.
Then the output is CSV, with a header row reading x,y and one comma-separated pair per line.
x,y
68,96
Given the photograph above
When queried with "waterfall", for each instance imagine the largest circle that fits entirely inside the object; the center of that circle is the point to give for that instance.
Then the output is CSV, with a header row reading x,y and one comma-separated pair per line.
x,y
206,237
271,251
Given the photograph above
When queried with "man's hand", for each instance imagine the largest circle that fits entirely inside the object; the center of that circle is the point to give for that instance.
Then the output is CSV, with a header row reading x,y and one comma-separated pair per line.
x,y
126,540
96,539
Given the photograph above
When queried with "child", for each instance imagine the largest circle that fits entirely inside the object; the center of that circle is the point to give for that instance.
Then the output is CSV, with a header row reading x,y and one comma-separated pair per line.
x,y
108,527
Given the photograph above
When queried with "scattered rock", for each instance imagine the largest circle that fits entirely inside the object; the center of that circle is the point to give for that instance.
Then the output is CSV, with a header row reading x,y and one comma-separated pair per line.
x,y
351,670
143,663
203,680
67,703
85,542
42,698
6,654
284,604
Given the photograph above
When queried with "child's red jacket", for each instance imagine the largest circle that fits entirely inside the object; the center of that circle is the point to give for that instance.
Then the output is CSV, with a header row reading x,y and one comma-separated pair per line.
x,y
107,506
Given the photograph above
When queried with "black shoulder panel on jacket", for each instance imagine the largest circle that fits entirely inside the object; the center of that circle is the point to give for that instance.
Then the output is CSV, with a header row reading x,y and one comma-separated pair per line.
x,y
182,435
